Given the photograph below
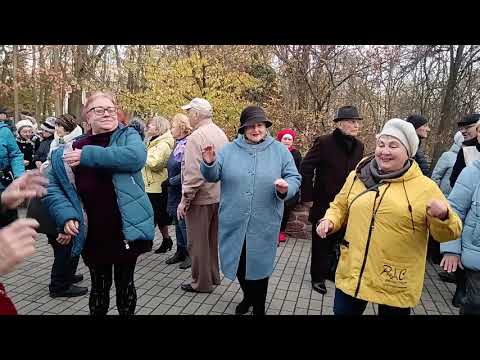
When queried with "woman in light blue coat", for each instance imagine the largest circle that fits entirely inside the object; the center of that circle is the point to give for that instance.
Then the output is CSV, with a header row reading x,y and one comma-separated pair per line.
x,y
465,252
443,169
257,175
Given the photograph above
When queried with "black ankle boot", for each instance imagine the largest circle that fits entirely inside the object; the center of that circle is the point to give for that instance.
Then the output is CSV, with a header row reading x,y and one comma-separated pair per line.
x,y
319,286
176,258
242,308
167,244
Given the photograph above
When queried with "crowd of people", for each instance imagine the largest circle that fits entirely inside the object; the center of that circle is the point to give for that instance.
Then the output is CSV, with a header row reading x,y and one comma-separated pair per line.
x,y
99,185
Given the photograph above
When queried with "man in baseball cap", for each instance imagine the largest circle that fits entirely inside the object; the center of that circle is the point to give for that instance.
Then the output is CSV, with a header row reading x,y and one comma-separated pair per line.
x,y
199,104
200,199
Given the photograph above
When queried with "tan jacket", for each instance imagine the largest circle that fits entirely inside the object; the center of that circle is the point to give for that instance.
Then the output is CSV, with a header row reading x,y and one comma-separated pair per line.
x,y
195,190
155,170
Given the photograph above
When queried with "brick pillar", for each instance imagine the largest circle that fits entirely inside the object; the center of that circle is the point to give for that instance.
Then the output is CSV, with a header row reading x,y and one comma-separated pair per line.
x,y
298,225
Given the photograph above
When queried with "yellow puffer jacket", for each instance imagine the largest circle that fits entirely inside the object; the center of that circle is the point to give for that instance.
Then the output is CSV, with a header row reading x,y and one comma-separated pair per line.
x,y
383,255
155,170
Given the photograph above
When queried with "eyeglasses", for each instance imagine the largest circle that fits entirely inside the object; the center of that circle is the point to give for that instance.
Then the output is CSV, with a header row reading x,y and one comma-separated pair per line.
x,y
101,110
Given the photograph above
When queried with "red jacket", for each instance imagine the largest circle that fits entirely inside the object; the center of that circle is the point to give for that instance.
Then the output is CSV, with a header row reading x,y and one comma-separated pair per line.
x,y
6,305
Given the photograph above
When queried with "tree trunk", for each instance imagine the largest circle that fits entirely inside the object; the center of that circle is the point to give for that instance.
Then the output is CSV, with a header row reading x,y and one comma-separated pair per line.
x,y
59,90
447,116
15,87
41,91
35,83
79,62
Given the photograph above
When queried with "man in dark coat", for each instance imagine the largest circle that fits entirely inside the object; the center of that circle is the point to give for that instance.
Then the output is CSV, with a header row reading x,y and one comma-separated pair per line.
x,y
420,124
324,171
470,150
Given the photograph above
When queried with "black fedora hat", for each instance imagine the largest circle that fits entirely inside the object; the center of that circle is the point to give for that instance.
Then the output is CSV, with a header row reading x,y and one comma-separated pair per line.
x,y
347,112
253,115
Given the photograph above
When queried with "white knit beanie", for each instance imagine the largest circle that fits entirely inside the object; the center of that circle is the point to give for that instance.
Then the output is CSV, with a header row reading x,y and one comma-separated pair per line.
x,y
23,123
404,132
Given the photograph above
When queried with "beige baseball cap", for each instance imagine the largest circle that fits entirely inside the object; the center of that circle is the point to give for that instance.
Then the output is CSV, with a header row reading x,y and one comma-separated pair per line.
x,y
198,104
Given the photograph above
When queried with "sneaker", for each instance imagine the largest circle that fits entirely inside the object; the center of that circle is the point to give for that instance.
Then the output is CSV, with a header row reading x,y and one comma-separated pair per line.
x,y
282,237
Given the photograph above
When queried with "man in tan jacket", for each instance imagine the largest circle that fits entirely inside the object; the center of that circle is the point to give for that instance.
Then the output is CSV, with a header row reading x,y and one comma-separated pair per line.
x,y
199,204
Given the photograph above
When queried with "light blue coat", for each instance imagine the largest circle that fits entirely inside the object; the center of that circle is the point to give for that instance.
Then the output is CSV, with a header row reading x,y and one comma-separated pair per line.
x,y
443,168
250,208
465,200
124,157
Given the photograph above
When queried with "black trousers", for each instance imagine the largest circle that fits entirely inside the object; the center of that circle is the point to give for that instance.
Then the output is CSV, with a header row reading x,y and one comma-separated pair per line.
x,y
126,295
460,290
323,263
433,251
287,209
471,304
64,266
254,291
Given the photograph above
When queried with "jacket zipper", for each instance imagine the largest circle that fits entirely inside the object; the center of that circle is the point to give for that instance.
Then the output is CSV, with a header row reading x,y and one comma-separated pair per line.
x,y
370,231
372,226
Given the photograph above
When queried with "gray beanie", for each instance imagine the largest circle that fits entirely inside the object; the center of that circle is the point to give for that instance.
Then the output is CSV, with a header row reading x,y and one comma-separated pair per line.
x,y
404,132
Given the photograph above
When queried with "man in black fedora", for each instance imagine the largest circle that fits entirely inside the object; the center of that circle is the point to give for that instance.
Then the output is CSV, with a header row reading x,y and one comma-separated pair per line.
x,y
324,171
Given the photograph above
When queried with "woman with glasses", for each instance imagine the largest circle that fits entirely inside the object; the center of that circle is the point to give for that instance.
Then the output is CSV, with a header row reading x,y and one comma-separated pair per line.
x,y
97,196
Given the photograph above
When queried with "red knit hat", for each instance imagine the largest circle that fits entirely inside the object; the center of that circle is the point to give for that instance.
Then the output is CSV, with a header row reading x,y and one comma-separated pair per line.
x,y
286,131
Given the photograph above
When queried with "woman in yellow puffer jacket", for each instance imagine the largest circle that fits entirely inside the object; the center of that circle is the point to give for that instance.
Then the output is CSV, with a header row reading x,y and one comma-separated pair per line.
x,y
389,209
159,147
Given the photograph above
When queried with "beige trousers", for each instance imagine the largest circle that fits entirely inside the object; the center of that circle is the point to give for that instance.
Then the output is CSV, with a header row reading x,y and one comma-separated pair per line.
x,y
202,234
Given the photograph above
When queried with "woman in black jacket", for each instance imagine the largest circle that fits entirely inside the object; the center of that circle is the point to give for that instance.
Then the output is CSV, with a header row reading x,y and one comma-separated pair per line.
x,y
287,137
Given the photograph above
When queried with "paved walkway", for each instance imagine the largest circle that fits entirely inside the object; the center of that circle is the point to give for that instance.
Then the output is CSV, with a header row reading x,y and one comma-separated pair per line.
x,y
159,292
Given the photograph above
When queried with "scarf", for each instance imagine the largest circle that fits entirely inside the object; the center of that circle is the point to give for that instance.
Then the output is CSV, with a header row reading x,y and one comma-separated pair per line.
x,y
370,174
179,149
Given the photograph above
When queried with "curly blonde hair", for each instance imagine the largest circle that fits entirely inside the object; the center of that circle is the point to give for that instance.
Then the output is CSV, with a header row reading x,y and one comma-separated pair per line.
x,y
183,123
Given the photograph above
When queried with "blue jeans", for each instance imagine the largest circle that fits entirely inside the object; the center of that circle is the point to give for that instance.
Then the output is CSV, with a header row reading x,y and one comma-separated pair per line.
x,y
348,305
181,234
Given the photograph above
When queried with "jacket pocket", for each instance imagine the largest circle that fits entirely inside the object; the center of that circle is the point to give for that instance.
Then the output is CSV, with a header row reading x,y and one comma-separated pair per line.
x,y
396,276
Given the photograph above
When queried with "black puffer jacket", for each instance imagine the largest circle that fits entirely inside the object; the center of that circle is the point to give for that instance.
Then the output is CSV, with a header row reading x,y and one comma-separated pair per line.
x,y
42,153
422,162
